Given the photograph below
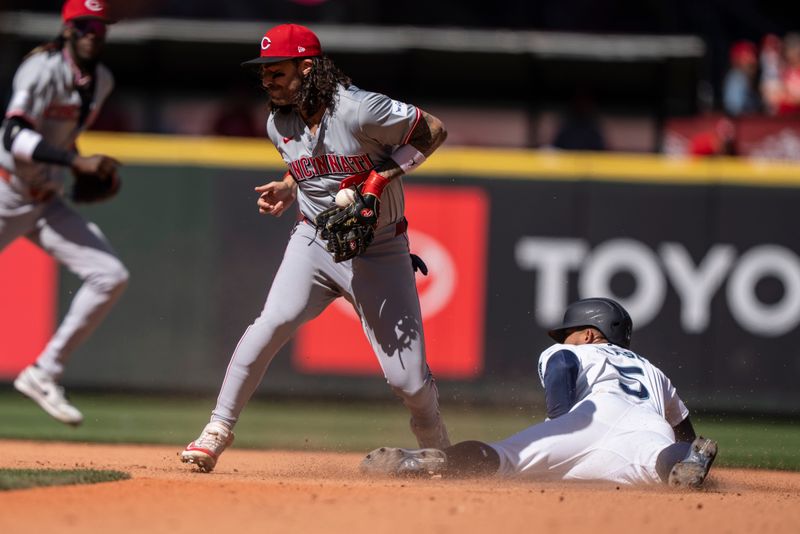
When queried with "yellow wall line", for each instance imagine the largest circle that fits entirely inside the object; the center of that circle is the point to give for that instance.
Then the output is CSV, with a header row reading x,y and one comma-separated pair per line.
x,y
259,153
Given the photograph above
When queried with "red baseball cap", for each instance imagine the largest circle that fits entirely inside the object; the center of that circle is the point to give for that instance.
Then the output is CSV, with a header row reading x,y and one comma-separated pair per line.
x,y
85,9
744,52
287,41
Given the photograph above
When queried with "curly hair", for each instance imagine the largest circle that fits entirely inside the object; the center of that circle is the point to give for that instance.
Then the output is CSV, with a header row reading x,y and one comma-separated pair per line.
x,y
53,46
318,89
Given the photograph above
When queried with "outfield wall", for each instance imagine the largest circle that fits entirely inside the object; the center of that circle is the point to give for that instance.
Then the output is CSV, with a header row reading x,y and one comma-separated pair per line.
x,y
703,253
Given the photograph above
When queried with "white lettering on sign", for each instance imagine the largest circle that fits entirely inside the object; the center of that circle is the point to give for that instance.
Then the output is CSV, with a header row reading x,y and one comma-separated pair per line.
x,y
760,318
696,284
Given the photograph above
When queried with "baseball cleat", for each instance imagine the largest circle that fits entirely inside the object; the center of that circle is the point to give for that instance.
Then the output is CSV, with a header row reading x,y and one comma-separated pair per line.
x,y
45,391
692,470
205,450
404,462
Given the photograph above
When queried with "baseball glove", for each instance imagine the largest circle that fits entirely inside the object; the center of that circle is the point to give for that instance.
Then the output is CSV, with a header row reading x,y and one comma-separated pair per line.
x,y
93,188
349,230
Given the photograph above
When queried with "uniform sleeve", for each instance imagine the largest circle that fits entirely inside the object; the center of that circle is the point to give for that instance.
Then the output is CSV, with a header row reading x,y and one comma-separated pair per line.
x,y
31,92
105,85
560,382
675,410
387,121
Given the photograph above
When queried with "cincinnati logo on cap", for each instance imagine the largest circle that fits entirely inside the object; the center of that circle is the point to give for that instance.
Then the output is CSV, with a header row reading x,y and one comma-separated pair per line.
x,y
93,5
265,42
300,49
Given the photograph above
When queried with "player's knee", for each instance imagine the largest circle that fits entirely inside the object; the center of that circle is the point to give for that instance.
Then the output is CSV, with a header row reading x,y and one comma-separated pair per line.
x,y
113,278
118,277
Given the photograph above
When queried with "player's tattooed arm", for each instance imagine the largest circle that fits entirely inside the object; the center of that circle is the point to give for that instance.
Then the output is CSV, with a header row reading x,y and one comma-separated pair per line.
x,y
428,135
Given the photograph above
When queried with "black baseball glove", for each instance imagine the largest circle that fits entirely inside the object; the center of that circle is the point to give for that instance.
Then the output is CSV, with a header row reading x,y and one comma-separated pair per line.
x,y
94,188
349,230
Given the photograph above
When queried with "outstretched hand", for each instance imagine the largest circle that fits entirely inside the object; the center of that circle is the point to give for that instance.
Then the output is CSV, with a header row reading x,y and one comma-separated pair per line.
x,y
275,198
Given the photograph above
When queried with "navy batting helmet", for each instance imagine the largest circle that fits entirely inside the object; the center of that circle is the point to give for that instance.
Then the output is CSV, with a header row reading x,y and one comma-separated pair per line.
x,y
606,315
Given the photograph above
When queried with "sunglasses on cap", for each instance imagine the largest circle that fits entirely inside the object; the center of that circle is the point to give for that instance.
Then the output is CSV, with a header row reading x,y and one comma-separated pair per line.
x,y
84,27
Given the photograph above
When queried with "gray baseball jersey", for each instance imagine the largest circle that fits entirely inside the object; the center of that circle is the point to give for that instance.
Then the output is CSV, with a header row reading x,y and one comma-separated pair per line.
x,y
45,93
359,134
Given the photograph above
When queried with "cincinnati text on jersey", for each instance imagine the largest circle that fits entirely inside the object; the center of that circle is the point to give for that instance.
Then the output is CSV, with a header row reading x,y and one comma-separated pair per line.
x,y
306,168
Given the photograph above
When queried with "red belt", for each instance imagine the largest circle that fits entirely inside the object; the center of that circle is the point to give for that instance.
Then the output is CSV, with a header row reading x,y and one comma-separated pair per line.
x,y
400,226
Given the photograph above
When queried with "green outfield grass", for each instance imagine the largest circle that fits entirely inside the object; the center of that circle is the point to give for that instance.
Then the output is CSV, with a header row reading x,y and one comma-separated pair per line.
x,y
12,479
359,427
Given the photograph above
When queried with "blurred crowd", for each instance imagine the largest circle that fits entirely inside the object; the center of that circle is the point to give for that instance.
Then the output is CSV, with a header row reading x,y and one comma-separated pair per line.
x,y
765,78
739,94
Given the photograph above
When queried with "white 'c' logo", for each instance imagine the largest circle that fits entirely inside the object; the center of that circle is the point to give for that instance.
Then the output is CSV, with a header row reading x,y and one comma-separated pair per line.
x,y
93,5
265,42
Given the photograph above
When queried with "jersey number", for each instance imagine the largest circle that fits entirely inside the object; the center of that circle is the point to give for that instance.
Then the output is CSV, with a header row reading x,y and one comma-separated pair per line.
x,y
627,372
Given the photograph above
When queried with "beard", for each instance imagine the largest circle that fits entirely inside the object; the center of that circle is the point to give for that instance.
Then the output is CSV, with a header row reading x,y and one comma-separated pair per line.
x,y
306,101
275,108
87,60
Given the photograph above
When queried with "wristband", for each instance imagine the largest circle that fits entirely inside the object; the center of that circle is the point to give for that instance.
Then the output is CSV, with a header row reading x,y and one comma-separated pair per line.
x,y
374,184
408,157
47,153
25,142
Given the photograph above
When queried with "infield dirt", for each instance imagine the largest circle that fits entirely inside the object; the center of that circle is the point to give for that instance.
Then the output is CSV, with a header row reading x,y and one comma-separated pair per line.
x,y
313,492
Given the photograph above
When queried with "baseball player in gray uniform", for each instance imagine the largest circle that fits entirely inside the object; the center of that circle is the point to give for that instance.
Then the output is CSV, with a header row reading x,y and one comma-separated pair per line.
x,y
611,415
333,135
57,92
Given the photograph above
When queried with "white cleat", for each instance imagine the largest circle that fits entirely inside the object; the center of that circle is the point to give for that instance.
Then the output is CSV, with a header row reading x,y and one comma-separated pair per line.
x,y
692,470
404,462
45,391
205,450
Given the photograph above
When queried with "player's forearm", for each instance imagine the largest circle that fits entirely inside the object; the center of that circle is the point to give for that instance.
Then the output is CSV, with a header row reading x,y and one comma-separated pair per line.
x,y
684,431
290,182
26,144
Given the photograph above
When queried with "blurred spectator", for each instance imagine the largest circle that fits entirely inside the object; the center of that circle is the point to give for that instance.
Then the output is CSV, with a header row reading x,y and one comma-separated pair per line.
x,y
790,101
236,118
112,118
719,141
771,67
780,74
740,88
579,130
